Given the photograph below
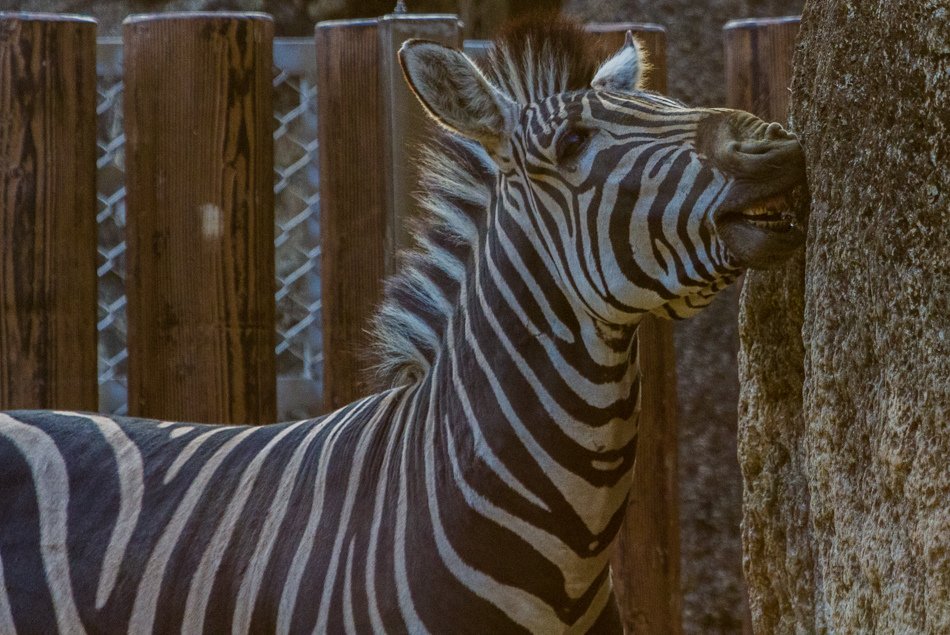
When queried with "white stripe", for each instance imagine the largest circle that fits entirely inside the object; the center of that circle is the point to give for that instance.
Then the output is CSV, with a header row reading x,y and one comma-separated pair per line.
x,y
597,395
257,567
202,582
180,431
51,482
152,582
481,446
593,504
307,541
597,606
189,451
131,475
529,611
349,621
382,486
366,442
579,572
407,608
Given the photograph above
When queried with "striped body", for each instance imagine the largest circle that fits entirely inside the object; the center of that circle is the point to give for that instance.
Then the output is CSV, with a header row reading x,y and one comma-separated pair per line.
x,y
481,493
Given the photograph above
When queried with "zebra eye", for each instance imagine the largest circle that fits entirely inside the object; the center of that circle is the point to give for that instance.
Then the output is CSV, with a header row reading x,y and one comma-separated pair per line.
x,y
572,143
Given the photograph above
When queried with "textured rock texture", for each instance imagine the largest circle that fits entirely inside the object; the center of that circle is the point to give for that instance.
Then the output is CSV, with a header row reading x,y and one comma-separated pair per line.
x,y
845,433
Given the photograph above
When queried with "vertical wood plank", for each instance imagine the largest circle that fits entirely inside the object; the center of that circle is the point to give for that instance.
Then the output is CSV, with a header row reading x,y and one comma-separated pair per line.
x,y
47,212
645,562
353,214
370,126
200,216
758,55
406,124
759,65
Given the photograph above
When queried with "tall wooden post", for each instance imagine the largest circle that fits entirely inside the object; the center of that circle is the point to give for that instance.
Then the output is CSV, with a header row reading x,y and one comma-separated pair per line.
x,y
47,212
369,125
646,557
759,65
200,216
758,54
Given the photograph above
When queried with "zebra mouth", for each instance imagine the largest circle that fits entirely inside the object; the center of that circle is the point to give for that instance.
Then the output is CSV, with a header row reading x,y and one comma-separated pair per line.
x,y
772,214
762,232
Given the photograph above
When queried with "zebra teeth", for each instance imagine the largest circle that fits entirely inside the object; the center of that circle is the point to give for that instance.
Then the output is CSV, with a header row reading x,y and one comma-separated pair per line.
x,y
770,213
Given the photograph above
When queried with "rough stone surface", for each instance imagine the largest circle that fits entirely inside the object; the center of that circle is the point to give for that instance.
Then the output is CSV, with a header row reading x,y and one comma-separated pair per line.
x,y
845,436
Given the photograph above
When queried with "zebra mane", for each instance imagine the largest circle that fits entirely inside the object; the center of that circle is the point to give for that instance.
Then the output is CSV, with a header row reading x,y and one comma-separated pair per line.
x,y
532,59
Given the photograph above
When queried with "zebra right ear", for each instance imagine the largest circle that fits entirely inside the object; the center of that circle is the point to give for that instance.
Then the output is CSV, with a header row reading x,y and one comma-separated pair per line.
x,y
623,72
456,94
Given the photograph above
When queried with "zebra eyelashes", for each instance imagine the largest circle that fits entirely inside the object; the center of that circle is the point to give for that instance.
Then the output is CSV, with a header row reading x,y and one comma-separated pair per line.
x,y
571,144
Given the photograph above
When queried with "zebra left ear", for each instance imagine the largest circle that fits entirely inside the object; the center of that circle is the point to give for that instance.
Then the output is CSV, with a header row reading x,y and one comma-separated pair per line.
x,y
623,72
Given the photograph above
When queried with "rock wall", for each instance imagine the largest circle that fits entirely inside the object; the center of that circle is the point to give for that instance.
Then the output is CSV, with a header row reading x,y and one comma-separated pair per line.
x,y
845,433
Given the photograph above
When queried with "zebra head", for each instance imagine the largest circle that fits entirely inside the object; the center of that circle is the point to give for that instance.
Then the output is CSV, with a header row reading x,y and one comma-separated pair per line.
x,y
639,203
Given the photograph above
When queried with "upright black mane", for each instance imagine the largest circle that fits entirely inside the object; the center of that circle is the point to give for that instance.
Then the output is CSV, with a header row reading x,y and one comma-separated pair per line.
x,y
533,58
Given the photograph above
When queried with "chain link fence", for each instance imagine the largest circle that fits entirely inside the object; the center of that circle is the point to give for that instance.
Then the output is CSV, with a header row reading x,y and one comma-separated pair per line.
x,y
297,231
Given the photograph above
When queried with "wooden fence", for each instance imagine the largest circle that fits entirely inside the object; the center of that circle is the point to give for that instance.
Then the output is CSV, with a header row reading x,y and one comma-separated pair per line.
x,y
200,223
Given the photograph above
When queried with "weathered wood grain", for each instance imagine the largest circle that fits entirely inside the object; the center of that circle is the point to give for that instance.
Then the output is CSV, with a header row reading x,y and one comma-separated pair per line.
x,y
759,65
47,212
353,221
370,126
200,217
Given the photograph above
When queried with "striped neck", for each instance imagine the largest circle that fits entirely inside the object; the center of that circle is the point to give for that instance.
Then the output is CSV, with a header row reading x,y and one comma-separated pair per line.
x,y
535,409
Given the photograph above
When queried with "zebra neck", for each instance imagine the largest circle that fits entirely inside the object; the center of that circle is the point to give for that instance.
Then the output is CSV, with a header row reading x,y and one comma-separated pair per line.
x,y
539,408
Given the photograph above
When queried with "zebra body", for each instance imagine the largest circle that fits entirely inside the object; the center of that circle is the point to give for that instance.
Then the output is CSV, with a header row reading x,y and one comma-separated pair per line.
x,y
482,491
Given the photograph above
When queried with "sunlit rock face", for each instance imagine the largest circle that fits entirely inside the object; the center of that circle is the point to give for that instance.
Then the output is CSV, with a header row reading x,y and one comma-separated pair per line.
x,y
846,360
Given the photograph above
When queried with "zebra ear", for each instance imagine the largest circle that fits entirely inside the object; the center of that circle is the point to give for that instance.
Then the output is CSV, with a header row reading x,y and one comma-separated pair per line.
x,y
623,72
456,94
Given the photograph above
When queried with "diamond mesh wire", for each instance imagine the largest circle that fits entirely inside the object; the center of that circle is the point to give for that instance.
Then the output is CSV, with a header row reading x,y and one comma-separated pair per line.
x,y
297,232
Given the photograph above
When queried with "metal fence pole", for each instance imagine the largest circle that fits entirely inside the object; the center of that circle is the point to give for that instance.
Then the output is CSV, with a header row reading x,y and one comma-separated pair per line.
x,y
645,562
200,216
47,212
368,126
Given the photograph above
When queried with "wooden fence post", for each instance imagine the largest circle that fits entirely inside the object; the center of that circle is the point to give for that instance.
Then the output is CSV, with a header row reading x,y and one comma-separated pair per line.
x,y
200,216
758,69
759,65
47,212
646,556
368,126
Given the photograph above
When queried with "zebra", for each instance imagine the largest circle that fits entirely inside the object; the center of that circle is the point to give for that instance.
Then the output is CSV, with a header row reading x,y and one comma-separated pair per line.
x,y
481,488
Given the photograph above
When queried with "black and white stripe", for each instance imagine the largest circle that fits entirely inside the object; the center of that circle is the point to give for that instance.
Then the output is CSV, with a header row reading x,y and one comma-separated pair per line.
x,y
481,493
